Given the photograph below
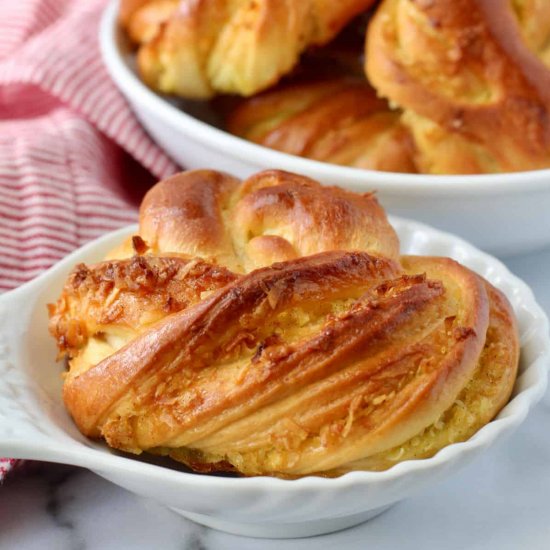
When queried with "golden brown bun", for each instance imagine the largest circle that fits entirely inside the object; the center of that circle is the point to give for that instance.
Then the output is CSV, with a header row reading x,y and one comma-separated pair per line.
x,y
479,401
192,225
104,306
473,78
327,362
272,216
339,121
143,19
298,368
197,48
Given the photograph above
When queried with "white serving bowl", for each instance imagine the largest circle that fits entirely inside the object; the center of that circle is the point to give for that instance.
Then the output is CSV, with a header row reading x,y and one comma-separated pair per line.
x,y
503,213
34,423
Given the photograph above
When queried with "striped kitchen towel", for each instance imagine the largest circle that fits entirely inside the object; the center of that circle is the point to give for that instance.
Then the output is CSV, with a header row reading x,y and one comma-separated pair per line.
x,y
74,161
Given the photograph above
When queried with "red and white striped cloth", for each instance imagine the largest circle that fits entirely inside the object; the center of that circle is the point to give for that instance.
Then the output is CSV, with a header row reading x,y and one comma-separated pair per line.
x,y
72,154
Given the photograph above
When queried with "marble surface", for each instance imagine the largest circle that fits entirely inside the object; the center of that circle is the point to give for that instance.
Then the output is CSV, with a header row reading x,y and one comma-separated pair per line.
x,y
501,501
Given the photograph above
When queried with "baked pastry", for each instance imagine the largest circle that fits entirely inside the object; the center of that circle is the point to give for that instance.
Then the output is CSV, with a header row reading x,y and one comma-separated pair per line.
x,y
481,398
472,77
468,80
143,19
198,230
105,306
305,367
326,362
198,49
272,216
341,121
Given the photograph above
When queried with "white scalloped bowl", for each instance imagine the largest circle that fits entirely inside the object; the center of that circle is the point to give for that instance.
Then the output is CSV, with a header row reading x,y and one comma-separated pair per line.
x,y
502,213
35,425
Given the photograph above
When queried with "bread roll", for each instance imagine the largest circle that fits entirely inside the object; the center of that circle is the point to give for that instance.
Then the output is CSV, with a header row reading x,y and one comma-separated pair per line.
x,y
272,216
303,367
198,48
194,228
269,327
472,77
340,121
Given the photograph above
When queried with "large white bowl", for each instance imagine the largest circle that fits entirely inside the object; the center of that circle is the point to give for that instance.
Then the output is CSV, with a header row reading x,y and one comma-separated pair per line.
x,y
503,213
35,425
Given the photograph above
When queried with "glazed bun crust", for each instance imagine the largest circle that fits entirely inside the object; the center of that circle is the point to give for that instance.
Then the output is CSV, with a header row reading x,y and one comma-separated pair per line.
x,y
106,305
270,327
272,216
198,48
297,368
458,86
472,78
341,121
482,397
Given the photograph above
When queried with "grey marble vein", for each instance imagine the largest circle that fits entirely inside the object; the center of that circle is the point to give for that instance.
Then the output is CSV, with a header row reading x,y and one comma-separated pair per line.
x,y
195,541
57,503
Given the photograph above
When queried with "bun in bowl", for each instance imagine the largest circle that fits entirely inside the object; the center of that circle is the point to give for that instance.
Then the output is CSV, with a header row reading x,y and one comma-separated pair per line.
x,y
270,327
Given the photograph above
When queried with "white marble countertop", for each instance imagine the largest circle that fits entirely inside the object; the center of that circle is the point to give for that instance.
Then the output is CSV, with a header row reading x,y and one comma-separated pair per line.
x,y
481,507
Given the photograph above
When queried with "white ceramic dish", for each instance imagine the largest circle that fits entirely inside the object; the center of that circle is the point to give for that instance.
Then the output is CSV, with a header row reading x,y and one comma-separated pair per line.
x,y
502,213
34,423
